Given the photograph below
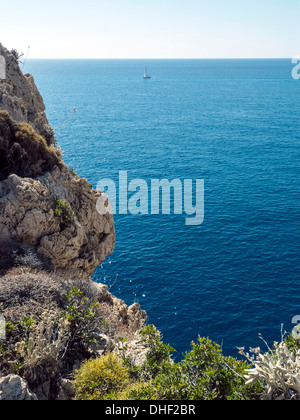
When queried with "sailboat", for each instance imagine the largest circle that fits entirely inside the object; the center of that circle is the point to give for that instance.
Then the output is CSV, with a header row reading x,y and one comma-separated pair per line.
x,y
146,75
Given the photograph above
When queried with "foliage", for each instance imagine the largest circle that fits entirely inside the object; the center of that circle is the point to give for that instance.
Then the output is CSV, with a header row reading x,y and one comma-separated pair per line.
x,y
158,358
279,371
22,151
16,54
14,254
74,174
63,210
27,258
44,345
99,379
293,344
137,391
78,308
203,374
34,349
80,314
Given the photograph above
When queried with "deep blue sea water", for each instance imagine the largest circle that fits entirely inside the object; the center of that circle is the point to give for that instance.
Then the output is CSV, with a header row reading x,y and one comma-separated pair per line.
x,y
233,123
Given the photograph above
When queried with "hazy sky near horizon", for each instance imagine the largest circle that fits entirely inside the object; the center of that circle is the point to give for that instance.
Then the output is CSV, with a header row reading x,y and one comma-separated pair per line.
x,y
152,28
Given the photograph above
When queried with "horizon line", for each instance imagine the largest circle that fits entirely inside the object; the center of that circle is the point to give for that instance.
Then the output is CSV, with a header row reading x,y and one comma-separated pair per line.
x,y
160,58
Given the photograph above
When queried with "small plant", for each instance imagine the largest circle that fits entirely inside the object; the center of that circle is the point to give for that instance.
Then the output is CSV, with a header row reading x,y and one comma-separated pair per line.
x,y
63,210
28,258
42,348
78,307
16,54
99,379
278,369
74,174
27,323
81,316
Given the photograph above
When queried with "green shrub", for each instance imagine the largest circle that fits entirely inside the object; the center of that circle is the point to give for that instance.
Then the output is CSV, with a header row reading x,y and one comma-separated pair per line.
x,y
212,376
63,210
80,313
292,343
203,373
22,151
158,358
98,379
138,391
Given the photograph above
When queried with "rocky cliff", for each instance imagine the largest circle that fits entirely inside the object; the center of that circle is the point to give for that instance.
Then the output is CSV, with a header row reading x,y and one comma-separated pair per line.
x,y
44,206
21,98
51,240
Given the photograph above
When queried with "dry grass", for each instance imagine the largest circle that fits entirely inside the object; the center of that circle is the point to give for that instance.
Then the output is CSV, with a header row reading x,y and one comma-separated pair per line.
x,y
15,254
22,151
26,295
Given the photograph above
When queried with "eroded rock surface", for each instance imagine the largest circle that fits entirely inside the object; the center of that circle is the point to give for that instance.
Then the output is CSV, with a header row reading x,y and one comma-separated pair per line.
x,y
44,206
21,98
29,214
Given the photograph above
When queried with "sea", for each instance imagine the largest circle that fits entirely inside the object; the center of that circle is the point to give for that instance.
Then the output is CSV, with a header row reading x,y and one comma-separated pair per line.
x,y
235,125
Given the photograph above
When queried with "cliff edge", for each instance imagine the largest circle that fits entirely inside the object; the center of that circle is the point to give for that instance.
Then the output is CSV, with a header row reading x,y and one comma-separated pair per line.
x,y
21,98
51,240
44,207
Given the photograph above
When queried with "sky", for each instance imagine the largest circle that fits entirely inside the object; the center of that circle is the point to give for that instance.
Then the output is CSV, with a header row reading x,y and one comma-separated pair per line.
x,y
152,28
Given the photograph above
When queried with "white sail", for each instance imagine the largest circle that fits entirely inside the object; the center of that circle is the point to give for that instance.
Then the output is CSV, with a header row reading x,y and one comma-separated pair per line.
x,y
146,76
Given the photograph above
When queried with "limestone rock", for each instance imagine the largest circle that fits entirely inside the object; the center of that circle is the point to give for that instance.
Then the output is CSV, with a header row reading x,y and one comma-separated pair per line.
x,y
21,98
45,208
28,216
136,316
49,221
14,388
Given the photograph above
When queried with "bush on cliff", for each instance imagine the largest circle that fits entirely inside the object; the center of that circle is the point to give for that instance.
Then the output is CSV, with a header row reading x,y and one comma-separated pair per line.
x,y
97,379
22,151
52,324
204,373
42,344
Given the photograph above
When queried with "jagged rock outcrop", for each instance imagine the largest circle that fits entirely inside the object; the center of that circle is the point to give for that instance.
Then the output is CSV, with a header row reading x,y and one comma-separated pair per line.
x,y
30,214
51,240
21,98
44,206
